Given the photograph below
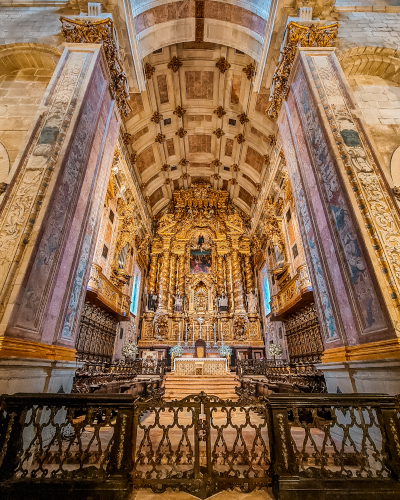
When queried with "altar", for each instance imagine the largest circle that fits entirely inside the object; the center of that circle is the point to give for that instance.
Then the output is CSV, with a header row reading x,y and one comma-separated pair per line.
x,y
214,367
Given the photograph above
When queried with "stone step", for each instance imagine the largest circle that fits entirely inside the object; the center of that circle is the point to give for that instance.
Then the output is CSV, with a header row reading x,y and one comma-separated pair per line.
x,y
178,386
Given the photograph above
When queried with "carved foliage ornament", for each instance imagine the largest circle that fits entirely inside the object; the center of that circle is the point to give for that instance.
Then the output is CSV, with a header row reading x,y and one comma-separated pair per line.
x,y
149,70
296,36
220,112
101,32
243,118
240,138
250,71
179,111
156,118
160,138
219,133
181,132
222,64
175,64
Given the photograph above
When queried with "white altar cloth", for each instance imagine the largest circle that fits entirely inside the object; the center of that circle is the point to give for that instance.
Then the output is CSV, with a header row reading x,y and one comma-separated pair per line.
x,y
201,366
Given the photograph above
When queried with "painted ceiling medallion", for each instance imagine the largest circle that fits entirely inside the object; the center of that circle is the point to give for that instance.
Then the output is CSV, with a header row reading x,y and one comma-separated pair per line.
x,y
181,132
175,64
219,133
179,111
220,112
222,64
157,117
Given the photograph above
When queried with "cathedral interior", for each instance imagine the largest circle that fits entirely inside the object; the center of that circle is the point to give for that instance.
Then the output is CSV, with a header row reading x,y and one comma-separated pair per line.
x,y
200,249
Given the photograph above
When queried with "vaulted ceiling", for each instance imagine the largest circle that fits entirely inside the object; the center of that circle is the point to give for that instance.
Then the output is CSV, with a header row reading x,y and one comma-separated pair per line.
x,y
223,135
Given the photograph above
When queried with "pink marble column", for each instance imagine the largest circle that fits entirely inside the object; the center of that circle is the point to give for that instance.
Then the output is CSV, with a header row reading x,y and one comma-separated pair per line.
x,y
55,201
335,177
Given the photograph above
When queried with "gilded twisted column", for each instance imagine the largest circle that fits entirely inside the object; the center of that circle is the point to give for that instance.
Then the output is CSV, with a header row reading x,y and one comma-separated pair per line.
x,y
152,273
172,278
228,274
237,281
163,281
248,272
180,287
220,275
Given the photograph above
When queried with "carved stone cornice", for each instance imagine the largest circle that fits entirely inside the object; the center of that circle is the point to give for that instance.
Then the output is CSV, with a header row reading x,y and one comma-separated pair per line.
x,y
296,36
102,32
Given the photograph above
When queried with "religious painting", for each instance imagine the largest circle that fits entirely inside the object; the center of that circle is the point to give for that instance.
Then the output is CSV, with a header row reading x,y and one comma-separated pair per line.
x,y
200,254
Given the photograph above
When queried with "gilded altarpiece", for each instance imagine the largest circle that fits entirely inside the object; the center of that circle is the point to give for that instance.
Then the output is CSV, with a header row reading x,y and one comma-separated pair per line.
x,y
200,282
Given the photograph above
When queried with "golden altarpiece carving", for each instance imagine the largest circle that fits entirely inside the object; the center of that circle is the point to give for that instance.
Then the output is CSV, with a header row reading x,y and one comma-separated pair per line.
x,y
200,282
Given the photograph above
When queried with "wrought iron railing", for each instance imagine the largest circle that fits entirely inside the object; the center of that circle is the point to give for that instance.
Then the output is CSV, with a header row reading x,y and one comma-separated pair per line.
x,y
105,446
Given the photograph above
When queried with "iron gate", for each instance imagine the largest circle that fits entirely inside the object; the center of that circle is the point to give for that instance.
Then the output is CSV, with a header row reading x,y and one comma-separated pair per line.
x,y
201,445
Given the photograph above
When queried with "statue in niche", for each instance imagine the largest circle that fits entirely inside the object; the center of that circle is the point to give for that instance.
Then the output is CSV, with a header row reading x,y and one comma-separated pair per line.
x,y
223,303
178,303
201,305
151,301
252,302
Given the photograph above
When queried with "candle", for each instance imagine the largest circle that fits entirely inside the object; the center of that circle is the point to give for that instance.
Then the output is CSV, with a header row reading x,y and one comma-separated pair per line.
x,y
215,335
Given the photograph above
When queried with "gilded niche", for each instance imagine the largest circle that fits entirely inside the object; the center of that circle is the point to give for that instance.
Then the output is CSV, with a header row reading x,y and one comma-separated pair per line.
x,y
201,279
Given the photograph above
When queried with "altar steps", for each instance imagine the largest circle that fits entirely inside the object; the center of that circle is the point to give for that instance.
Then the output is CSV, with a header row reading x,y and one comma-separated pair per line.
x,y
178,386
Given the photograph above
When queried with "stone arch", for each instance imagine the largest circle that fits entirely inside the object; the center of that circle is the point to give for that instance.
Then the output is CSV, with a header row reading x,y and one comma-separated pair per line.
x,y
373,73
25,72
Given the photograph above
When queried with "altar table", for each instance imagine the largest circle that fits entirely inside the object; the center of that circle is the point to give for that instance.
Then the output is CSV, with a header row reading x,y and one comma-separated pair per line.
x,y
201,366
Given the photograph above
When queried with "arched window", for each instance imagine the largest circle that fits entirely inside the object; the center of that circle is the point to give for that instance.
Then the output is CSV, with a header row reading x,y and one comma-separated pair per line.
x,y
265,290
136,290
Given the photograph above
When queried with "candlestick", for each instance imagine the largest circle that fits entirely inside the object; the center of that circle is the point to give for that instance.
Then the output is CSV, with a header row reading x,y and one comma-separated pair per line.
x,y
193,332
186,336
222,336
208,343
215,335
179,335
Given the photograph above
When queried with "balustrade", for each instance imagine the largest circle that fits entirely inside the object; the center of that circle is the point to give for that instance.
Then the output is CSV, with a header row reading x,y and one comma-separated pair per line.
x,y
103,446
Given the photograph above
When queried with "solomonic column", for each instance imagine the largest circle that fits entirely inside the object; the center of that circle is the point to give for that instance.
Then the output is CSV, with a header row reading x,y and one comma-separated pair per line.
x,y
152,279
237,282
248,272
228,274
350,225
163,281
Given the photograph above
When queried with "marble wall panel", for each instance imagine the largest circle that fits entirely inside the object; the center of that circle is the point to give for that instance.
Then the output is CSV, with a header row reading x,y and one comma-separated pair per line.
x,y
254,159
235,92
200,143
199,84
145,159
162,88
